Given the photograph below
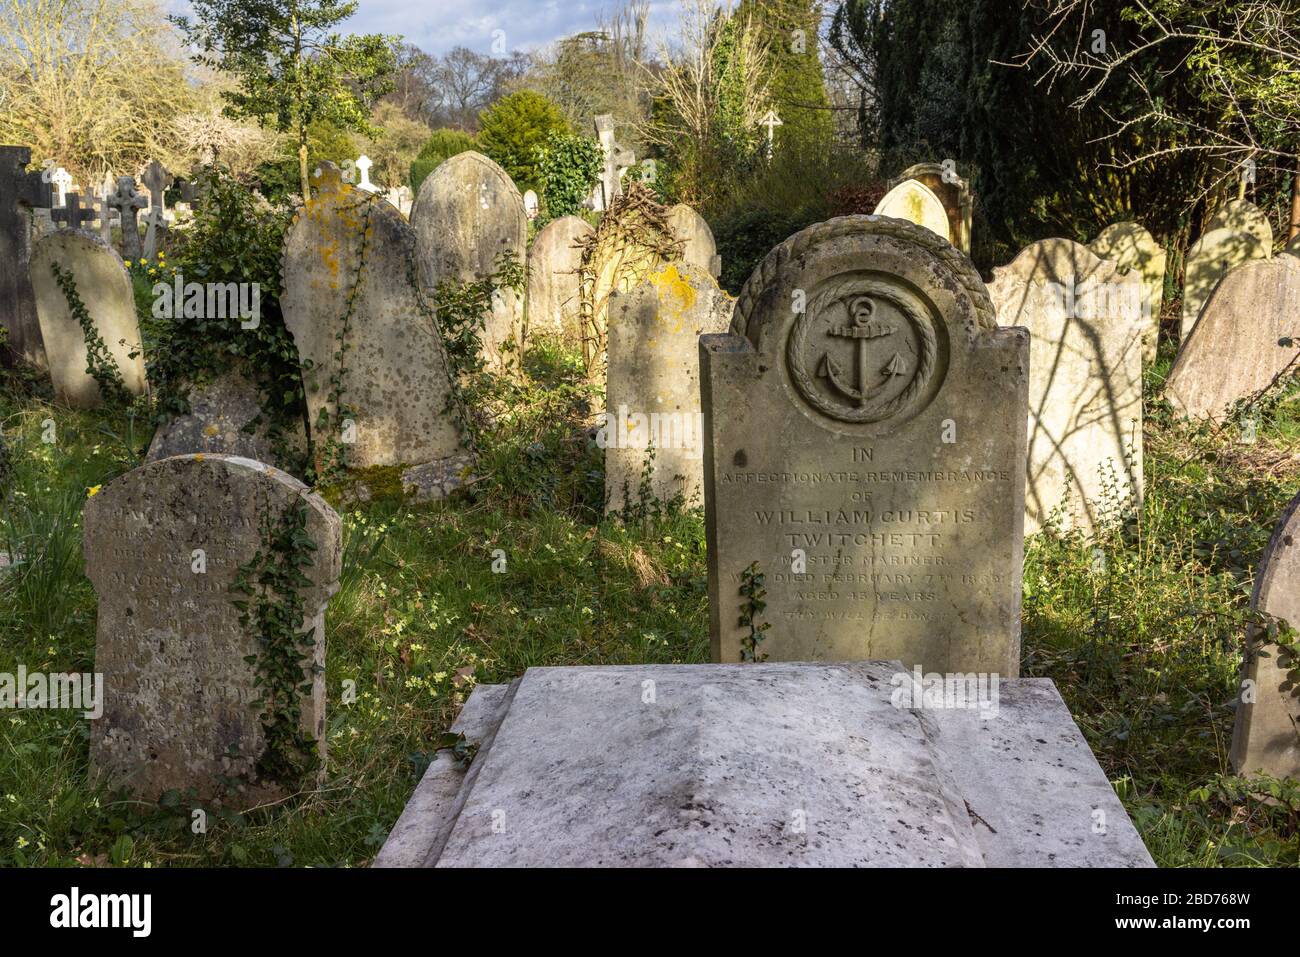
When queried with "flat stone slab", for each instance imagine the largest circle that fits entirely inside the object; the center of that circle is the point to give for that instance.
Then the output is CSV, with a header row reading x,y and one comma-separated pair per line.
x,y
784,764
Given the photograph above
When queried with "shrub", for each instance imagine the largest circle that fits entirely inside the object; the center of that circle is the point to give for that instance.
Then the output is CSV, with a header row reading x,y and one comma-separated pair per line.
x,y
512,130
569,166
440,147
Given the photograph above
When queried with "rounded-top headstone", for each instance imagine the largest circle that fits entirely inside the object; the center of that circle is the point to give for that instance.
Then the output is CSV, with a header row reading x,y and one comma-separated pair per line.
x,y
101,282
553,281
915,202
1133,249
1237,232
348,274
166,546
1237,348
865,454
467,215
698,246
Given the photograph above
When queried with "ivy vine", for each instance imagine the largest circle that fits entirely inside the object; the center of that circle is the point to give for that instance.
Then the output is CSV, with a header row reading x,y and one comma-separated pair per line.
x,y
272,610
100,365
752,590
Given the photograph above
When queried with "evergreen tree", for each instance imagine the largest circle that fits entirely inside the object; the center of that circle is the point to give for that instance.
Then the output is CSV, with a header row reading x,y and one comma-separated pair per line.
x,y
789,29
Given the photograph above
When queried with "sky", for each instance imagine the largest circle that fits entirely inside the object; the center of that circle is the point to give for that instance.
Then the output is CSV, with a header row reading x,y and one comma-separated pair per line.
x,y
438,25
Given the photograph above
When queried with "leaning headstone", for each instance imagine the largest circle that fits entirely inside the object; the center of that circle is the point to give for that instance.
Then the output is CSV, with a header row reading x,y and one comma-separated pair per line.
x,y
1237,233
467,216
180,552
913,201
864,457
378,384
1085,380
553,287
653,426
225,417
20,192
1266,733
953,192
128,201
99,280
1134,249
1236,350
698,246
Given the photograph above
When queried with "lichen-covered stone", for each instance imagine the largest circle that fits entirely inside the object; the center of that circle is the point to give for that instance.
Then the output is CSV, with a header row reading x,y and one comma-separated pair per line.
x,y
105,289
653,392
467,216
698,246
398,404
164,544
913,201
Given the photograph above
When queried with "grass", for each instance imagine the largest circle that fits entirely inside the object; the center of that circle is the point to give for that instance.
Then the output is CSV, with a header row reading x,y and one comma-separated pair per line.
x,y
1145,646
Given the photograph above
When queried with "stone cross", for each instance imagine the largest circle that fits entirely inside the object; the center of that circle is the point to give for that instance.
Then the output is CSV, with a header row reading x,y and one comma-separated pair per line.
x,y
530,204
617,159
156,223
101,201
363,164
126,199
19,189
771,121
72,213
62,180
156,179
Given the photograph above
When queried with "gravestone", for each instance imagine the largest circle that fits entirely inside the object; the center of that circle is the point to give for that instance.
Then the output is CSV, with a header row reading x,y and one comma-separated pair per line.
x,y
1238,232
61,180
1266,733
397,404
553,287
617,160
953,192
693,232
864,428
1235,350
363,164
913,201
101,282
1134,249
157,180
166,545
1085,380
468,214
531,205
20,191
653,419
73,215
788,764
128,201
225,417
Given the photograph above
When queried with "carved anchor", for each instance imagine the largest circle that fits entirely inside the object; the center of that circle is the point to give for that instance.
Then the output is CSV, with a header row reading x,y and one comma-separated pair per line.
x,y
863,329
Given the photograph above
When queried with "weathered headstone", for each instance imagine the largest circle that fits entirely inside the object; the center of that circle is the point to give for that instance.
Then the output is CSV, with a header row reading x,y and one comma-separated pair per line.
x,y
1266,733
1238,232
953,192
913,201
1085,380
553,293
788,764
653,423
101,283
864,432
167,548
698,246
225,417
20,191
467,216
393,402
157,180
531,204
363,164
1133,249
1236,350
617,160
128,201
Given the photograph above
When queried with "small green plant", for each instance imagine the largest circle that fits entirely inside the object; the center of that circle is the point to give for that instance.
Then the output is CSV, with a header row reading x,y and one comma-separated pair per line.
x,y
752,589
569,166
100,365
272,608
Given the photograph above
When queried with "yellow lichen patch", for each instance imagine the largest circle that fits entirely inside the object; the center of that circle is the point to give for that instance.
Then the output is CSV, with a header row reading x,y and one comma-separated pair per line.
x,y
676,296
